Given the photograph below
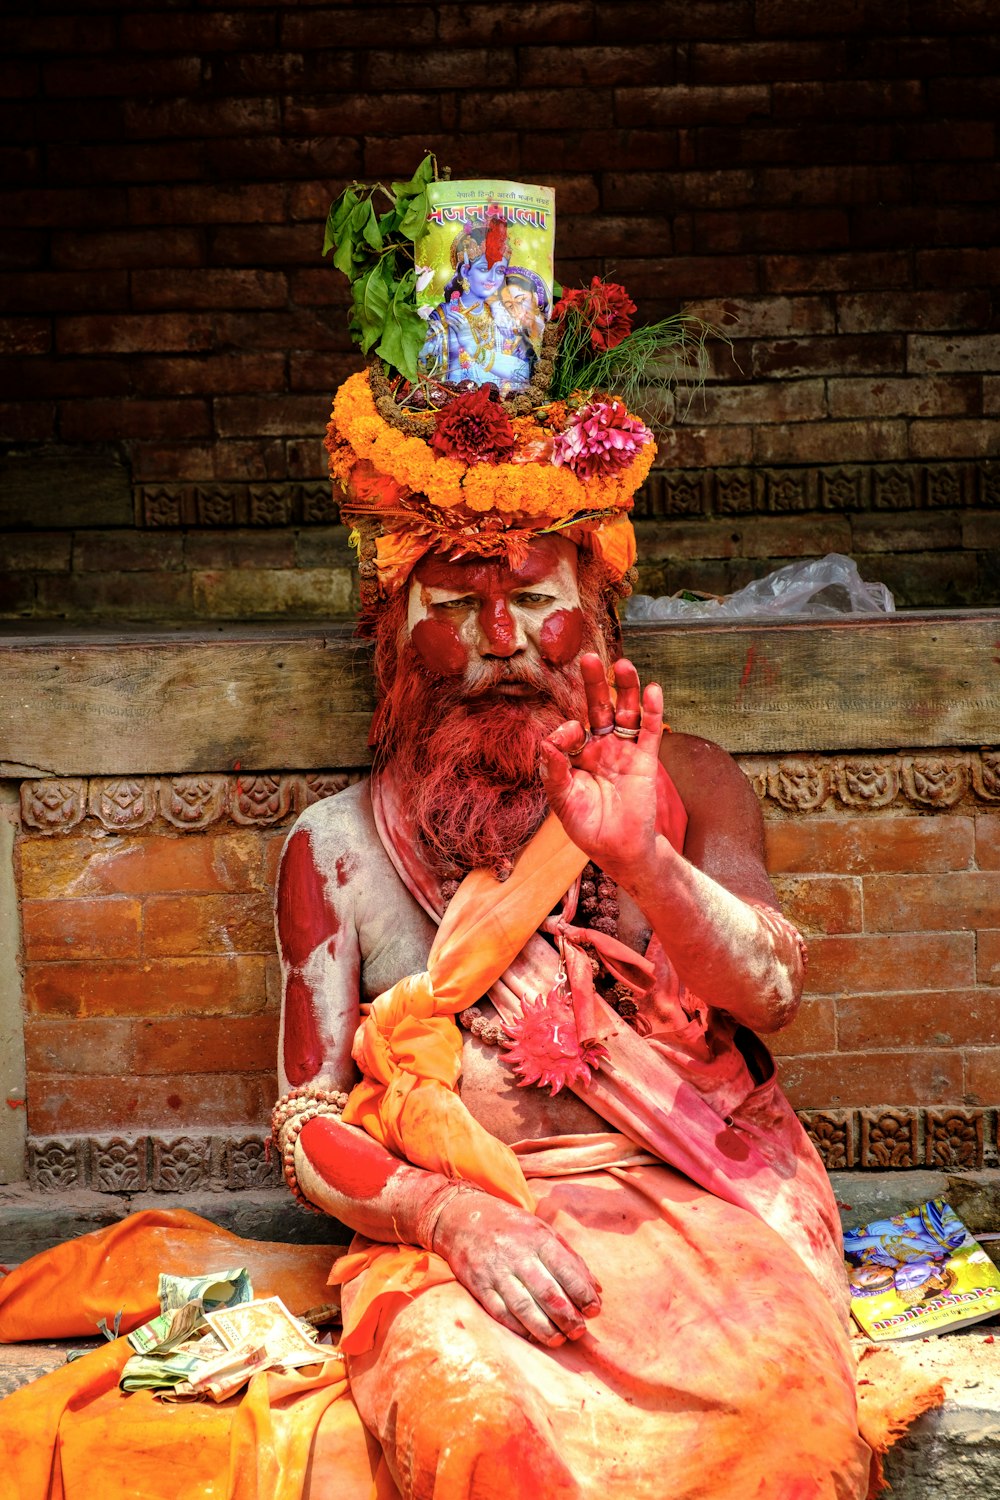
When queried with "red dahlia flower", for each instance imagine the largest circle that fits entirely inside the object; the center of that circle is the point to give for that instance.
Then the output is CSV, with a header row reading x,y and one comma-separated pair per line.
x,y
474,428
605,309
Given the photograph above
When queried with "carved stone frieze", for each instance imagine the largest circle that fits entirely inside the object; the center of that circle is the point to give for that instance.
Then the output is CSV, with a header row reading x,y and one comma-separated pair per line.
x,y
944,486
895,488
188,803
270,505
889,1138
263,800
54,1166
192,802
215,507
118,1165
181,1165
986,775
52,805
160,505
799,785
320,784
734,492
249,1164
954,1138
934,780
832,1133
685,495
844,488
318,505
790,491
123,803
867,782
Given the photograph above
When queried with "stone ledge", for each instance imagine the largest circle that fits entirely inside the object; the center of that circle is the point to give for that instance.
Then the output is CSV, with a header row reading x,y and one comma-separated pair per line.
x,y
949,1454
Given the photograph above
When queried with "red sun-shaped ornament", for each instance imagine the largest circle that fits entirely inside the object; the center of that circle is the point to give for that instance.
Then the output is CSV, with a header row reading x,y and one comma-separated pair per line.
x,y
544,1045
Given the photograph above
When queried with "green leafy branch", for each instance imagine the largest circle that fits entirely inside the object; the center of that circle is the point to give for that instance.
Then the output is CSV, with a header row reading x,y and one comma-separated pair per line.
x,y
376,252
647,366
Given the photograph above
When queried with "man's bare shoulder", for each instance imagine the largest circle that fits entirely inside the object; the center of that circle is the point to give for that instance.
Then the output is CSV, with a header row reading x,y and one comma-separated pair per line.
x,y
701,770
725,834
345,815
342,834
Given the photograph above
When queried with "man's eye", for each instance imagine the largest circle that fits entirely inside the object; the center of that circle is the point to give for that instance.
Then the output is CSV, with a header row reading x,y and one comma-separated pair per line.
x,y
534,599
465,603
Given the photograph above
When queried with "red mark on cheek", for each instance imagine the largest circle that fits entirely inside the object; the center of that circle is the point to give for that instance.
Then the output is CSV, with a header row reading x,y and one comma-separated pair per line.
x,y
562,636
347,1159
305,917
303,1051
439,648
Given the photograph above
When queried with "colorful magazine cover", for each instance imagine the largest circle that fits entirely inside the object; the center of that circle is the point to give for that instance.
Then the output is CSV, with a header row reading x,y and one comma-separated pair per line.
x,y
918,1273
485,272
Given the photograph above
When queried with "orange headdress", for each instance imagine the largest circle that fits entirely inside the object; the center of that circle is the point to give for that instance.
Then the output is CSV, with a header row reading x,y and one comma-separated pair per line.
x,y
466,467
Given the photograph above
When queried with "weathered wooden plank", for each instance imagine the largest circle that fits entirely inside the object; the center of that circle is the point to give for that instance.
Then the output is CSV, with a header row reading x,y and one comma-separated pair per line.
x,y
873,683
288,700
174,705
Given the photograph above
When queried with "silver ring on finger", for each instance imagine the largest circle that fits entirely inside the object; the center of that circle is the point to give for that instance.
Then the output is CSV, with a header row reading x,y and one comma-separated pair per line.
x,y
581,748
626,734
598,734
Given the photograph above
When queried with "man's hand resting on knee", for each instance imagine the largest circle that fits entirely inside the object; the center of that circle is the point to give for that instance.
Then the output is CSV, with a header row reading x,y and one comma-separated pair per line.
x,y
519,1269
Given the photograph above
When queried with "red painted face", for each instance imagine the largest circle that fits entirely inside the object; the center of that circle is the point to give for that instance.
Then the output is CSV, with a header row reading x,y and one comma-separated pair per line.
x,y
467,612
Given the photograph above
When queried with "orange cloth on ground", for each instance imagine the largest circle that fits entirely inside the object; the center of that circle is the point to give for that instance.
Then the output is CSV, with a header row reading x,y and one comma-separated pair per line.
x,y
64,1292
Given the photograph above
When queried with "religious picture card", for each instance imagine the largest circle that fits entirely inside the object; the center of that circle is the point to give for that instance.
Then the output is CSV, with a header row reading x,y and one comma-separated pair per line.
x,y
485,271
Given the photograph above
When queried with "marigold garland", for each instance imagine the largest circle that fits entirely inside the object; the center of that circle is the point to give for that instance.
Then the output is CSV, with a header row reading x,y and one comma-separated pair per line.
x,y
538,491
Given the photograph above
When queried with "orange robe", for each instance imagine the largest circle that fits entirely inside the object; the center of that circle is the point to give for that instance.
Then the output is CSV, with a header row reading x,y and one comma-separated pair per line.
x,y
718,1366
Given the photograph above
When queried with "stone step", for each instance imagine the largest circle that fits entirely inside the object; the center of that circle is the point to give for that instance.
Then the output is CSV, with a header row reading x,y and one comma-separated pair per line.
x,y
952,1453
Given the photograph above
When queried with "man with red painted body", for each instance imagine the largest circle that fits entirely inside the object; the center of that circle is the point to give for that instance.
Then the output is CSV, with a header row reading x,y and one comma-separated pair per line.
x,y
639,1333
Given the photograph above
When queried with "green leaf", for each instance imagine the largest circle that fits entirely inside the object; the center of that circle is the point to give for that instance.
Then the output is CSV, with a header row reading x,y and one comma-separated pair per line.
x,y
404,331
418,182
343,257
340,211
370,229
371,303
414,221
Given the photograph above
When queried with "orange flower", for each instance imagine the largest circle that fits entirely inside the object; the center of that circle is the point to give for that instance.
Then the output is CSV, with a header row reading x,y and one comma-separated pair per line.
x,y
532,492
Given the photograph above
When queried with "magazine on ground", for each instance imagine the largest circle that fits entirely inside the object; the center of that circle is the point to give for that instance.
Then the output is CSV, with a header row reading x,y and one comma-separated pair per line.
x,y
918,1273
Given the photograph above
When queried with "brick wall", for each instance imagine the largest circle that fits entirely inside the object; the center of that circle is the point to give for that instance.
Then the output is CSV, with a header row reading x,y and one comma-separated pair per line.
x,y
151,992
819,182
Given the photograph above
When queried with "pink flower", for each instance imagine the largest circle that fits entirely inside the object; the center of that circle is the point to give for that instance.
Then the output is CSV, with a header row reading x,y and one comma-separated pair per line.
x,y
600,438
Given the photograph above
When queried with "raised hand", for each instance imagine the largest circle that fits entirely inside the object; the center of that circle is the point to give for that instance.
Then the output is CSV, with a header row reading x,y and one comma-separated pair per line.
x,y
518,1268
600,778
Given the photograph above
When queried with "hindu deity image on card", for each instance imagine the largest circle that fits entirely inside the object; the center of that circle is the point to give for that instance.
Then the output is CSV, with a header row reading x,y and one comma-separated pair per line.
x,y
485,271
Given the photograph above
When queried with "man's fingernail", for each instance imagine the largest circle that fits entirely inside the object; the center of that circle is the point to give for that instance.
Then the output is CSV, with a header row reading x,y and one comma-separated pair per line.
x,y
591,1310
555,1341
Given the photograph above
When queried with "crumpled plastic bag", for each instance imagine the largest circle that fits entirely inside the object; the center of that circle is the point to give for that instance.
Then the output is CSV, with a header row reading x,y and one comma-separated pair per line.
x,y
826,586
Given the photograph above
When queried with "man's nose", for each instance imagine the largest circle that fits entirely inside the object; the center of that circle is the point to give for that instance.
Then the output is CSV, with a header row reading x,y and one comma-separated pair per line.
x,y
499,634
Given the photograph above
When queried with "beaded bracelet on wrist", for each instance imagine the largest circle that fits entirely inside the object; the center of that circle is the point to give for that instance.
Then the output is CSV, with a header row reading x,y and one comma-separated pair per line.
x,y
290,1115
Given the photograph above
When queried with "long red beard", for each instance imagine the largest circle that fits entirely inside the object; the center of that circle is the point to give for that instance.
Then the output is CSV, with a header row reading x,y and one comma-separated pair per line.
x,y
467,763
